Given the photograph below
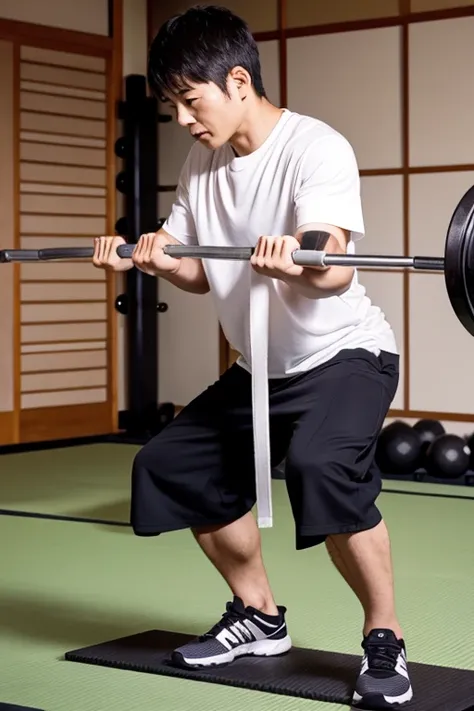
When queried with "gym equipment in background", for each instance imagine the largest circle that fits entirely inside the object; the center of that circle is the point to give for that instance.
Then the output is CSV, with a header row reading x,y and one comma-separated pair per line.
x,y
425,452
447,457
428,430
399,449
138,148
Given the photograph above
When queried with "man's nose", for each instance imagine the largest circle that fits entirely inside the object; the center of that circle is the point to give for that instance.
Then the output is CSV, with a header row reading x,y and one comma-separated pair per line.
x,y
184,117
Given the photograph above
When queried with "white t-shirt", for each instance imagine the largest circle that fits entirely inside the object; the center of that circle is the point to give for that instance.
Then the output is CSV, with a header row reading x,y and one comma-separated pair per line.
x,y
304,172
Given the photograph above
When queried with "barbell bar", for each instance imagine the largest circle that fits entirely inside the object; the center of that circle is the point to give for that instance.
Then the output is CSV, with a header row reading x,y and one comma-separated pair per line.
x,y
303,257
457,262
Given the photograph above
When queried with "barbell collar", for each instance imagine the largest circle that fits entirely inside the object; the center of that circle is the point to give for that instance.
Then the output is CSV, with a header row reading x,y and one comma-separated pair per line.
x,y
355,260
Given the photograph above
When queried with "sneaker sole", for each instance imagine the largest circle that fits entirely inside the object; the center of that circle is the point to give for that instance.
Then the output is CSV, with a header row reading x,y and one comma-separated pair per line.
x,y
262,648
379,702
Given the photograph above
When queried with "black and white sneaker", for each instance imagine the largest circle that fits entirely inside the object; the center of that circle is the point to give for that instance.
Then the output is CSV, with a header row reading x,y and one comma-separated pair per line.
x,y
241,631
383,681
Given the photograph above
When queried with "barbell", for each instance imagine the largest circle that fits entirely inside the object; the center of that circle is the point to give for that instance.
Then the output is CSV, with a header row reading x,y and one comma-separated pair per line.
x,y
457,262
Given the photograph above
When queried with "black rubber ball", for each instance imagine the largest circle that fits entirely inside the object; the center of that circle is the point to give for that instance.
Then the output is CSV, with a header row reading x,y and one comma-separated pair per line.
x,y
428,430
447,457
399,449
469,439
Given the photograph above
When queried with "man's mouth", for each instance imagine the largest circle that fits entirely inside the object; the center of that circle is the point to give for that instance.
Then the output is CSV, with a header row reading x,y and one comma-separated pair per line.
x,y
197,136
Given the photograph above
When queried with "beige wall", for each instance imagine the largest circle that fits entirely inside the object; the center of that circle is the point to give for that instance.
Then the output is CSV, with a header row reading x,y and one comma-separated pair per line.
x,y
421,5
303,13
85,16
135,36
262,16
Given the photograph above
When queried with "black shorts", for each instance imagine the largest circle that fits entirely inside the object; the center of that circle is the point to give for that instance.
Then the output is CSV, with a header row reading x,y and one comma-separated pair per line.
x,y
199,470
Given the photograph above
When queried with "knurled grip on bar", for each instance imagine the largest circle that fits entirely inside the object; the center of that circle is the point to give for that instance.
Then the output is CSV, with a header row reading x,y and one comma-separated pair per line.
x,y
300,256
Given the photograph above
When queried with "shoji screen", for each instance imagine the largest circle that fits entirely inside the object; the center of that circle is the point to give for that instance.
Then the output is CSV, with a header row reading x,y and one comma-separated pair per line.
x,y
88,16
396,88
63,201
441,164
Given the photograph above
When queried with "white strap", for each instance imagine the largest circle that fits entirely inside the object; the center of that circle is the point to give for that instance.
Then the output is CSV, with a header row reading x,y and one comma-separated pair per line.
x,y
259,320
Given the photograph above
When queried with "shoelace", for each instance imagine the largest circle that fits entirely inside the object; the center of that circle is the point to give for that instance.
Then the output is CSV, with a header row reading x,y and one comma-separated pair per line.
x,y
383,657
229,617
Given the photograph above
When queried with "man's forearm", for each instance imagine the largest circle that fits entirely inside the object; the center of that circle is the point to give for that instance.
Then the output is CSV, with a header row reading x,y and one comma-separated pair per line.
x,y
322,283
190,276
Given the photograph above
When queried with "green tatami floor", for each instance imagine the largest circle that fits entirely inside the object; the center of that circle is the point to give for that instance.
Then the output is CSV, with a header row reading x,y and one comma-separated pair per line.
x,y
65,585
94,482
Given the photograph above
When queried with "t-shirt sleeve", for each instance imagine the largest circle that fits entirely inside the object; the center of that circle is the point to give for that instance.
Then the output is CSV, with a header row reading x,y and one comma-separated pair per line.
x,y
329,187
180,222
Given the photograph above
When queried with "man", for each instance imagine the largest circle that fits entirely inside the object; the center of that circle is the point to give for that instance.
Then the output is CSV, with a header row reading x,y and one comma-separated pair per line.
x,y
261,176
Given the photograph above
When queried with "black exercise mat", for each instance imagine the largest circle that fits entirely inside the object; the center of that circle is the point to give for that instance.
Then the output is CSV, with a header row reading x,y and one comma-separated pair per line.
x,y
304,673
11,707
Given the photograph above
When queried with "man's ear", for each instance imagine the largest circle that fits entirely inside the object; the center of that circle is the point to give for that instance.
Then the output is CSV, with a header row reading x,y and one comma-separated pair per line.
x,y
240,77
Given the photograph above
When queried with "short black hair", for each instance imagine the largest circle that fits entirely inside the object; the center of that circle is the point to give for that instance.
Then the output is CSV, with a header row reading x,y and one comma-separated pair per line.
x,y
202,45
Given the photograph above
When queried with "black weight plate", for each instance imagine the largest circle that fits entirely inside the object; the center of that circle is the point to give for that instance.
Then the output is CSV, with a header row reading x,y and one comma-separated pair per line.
x,y
459,261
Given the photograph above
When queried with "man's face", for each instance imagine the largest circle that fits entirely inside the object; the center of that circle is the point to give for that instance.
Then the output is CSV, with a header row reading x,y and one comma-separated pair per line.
x,y
210,116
